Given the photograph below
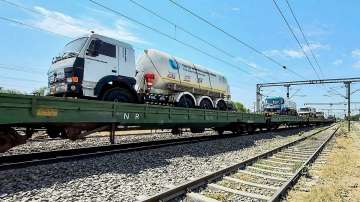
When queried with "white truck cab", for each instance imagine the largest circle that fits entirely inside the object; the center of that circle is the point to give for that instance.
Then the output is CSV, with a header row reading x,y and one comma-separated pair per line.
x,y
109,73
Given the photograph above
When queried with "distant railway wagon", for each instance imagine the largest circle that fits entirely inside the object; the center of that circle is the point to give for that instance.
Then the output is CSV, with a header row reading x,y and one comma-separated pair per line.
x,y
72,118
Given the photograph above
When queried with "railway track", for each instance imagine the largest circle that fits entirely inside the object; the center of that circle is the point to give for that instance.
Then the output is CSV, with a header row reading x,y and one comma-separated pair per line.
x,y
265,177
38,158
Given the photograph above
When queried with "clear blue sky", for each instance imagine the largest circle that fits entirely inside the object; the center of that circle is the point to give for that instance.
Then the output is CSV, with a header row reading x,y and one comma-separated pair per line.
x,y
332,28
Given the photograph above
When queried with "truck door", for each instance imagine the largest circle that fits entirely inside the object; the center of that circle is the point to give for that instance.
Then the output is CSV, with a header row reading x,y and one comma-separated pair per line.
x,y
126,65
97,67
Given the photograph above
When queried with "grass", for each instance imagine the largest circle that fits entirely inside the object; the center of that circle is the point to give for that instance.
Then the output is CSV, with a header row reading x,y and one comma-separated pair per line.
x,y
339,179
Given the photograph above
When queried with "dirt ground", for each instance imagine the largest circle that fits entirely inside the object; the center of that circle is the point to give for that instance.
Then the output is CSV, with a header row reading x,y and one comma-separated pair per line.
x,y
339,178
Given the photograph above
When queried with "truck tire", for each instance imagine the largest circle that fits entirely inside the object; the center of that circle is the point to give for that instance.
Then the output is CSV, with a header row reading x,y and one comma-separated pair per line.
x,y
118,94
205,104
221,105
185,102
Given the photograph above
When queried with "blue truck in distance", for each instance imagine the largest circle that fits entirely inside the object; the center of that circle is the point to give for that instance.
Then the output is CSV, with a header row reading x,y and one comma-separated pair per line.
x,y
279,105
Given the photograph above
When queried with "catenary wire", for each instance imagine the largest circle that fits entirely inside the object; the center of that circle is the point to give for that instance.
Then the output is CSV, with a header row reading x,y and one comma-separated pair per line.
x,y
190,33
41,14
304,37
172,38
234,37
193,47
295,37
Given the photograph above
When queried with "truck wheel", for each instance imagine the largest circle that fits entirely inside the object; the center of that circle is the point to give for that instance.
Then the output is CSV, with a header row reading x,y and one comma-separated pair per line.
x,y
205,104
118,95
185,102
221,105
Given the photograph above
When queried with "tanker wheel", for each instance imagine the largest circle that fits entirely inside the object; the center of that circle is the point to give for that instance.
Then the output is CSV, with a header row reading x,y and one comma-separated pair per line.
x,y
118,95
185,102
205,104
221,105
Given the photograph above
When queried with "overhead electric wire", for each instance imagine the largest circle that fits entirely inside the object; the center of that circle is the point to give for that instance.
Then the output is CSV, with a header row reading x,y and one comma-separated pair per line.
x,y
41,14
226,33
191,34
20,6
23,24
235,38
21,79
171,37
19,69
295,37
153,29
304,37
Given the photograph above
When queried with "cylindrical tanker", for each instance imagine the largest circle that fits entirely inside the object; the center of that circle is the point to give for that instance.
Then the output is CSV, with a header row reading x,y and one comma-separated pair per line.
x,y
167,79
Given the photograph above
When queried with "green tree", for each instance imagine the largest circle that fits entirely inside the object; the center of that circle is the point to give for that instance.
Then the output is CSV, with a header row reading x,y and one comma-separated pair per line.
x,y
40,91
240,107
10,91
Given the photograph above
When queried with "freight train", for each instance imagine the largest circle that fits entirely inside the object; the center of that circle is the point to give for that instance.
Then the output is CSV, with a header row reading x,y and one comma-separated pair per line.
x,y
99,67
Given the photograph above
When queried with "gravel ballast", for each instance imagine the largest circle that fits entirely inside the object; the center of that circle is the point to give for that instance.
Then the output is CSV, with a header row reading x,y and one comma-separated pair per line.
x,y
42,145
130,176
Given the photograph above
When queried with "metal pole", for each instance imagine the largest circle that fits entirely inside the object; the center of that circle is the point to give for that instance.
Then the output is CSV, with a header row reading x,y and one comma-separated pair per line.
x,y
258,97
112,133
287,91
347,84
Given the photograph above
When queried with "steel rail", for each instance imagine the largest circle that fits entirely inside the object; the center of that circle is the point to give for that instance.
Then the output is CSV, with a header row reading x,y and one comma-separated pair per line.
x,y
39,158
201,181
276,196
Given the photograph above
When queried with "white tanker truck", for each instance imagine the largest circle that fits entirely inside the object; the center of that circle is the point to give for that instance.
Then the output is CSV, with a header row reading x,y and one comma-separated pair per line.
x,y
99,67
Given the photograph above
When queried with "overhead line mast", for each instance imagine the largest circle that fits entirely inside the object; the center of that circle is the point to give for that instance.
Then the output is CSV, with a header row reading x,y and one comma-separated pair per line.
x,y
287,84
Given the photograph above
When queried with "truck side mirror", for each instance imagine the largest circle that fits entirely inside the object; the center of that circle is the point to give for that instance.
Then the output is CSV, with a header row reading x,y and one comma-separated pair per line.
x,y
94,48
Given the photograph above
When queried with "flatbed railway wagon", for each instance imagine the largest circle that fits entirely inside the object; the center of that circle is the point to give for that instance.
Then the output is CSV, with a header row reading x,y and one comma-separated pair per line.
x,y
21,115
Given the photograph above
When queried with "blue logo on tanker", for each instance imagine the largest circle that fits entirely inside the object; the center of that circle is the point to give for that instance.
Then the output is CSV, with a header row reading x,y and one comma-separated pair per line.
x,y
173,64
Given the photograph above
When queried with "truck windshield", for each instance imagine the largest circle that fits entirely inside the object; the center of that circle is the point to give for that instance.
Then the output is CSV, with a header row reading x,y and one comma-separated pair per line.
x,y
74,46
304,109
71,49
274,101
